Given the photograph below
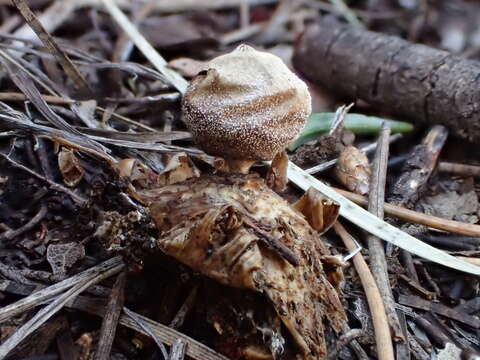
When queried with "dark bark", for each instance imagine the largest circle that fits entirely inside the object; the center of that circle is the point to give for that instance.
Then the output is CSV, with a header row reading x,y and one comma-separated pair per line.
x,y
418,167
420,83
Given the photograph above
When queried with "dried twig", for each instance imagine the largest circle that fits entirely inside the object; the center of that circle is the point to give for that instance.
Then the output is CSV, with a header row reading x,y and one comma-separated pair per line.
x,y
53,185
110,320
438,308
179,318
379,317
403,213
377,261
11,234
459,169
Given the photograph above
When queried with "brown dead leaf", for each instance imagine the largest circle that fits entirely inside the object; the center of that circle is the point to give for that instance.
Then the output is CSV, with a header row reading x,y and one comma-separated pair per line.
x,y
177,169
233,229
353,170
70,167
187,67
320,212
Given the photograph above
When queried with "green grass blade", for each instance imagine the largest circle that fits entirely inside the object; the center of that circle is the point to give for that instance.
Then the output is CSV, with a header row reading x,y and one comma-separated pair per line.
x,y
320,123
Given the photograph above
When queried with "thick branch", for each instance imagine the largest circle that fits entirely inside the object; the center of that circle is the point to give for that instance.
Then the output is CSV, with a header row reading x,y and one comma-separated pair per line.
x,y
396,76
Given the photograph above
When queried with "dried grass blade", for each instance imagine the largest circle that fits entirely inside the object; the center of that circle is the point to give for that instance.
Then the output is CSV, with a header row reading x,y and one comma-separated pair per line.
x,y
51,309
150,53
195,349
26,85
147,329
41,296
67,65
375,303
377,227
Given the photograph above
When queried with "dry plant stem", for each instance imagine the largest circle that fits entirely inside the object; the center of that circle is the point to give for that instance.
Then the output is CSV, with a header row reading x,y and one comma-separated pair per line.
x,y
378,262
182,313
123,45
16,96
177,352
52,99
405,214
139,40
146,328
377,227
459,169
49,88
45,294
67,65
51,309
375,303
110,320
439,308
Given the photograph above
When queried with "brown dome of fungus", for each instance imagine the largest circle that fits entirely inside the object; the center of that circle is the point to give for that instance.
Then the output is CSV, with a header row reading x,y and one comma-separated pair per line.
x,y
246,106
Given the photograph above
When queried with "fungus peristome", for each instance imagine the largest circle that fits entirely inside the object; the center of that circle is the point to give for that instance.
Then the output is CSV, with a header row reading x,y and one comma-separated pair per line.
x,y
247,106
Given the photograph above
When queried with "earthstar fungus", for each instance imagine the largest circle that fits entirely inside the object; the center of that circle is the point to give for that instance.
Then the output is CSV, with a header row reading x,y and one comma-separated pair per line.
x,y
246,107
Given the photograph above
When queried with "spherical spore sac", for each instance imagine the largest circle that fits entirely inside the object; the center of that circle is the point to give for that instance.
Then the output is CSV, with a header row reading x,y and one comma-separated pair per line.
x,y
247,105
